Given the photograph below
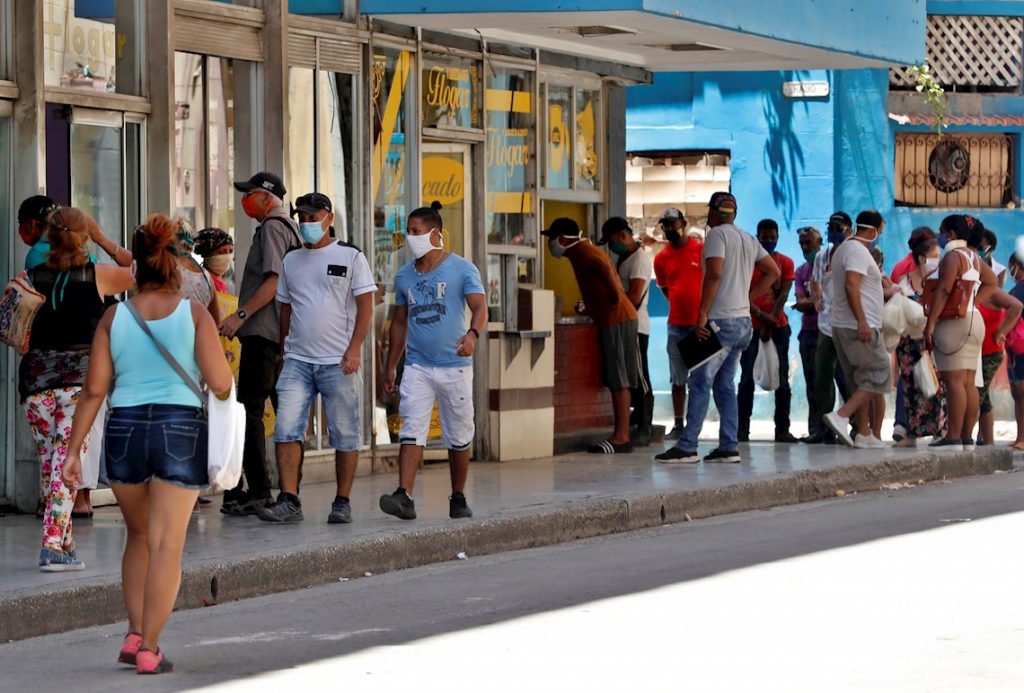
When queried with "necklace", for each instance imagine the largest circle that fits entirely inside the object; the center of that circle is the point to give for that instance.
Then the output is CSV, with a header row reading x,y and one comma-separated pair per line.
x,y
437,262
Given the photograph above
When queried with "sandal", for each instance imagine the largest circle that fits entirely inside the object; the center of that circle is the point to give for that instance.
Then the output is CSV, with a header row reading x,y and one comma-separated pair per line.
x,y
130,648
149,662
606,447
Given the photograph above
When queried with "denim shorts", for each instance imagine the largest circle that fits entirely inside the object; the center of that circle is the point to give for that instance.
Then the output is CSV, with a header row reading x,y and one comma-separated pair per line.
x,y
297,387
157,441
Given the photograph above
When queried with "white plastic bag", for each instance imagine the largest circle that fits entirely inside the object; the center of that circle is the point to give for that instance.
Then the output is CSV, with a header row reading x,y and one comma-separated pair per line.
x,y
915,318
894,324
93,457
925,377
766,366
226,440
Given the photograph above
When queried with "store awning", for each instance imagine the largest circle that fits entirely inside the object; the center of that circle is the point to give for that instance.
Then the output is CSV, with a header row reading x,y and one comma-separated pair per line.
x,y
687,35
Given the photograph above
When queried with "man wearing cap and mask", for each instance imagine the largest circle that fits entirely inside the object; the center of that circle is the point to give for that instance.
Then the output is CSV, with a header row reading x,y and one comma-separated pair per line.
x,y
730,256
325,291
613,313
677,269
257,325
634,267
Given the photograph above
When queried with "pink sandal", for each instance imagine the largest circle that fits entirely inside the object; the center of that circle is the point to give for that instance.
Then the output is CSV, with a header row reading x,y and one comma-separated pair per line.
x,y
149,662
130,648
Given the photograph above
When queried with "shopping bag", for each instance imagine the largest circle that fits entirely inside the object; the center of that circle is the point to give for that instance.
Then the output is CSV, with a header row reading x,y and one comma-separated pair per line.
x,y
894,322
93,456
766,366
18,308
226,419
925,377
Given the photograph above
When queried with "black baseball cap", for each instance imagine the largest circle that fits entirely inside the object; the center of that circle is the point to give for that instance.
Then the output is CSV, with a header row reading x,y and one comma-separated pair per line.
x,y
672,214
841,218
36,208
313,202
611,227
562,226
264,180
724,202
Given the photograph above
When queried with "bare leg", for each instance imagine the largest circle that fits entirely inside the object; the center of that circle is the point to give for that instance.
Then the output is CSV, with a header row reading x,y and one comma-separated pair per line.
x,y
877,415
133,500
972,408
1018,410
987,427
83,502
345,464
458,465
289,456
620,402
679,401
859,405
169,511
410,457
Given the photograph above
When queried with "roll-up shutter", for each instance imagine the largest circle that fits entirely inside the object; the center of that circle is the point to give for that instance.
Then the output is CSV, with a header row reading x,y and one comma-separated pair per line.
x,y
302,50
227,31
336,56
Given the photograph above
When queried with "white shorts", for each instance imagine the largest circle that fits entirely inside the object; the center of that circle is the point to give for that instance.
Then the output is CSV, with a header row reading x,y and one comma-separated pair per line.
x,y
453,390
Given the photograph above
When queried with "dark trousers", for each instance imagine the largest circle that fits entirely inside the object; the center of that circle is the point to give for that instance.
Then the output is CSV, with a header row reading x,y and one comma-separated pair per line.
x,y
642,399
745,395
808,340
257,374
828,375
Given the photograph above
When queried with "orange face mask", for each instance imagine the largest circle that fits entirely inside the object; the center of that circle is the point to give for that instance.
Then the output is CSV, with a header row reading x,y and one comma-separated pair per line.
x,y
255,206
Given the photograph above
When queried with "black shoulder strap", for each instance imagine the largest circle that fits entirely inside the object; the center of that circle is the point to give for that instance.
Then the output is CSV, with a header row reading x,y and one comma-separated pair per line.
x,y
171,361
290,223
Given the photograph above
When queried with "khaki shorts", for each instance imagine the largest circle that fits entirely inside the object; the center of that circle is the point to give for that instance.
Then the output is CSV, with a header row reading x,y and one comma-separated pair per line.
x,y
867,365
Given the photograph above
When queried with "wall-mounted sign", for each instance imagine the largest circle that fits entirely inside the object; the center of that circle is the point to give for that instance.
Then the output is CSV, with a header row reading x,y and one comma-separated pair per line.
x,y
805,90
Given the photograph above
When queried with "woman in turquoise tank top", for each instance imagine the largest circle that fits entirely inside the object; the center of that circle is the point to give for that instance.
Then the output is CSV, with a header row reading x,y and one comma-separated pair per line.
x,y
156,437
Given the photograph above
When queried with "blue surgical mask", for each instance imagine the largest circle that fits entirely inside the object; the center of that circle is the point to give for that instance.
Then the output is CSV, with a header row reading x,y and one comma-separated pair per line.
x,y
311,232
943,239
769,246
836,237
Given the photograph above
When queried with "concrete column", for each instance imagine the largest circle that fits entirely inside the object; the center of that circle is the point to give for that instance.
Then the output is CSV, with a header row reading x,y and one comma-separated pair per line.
x,y
160,126
275,86
615,152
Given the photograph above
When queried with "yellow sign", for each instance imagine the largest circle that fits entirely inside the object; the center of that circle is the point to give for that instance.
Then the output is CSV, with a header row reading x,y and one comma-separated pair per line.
x,y
443,180
557,137
444,88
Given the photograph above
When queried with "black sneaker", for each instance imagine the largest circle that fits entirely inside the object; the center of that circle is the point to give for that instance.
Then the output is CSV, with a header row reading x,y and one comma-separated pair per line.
x,y
786,437
743,437
720,455
676,456
286,508
341,512
457,506
398,504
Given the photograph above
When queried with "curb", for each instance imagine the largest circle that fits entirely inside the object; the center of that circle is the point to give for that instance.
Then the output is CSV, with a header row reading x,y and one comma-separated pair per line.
x,y
62,609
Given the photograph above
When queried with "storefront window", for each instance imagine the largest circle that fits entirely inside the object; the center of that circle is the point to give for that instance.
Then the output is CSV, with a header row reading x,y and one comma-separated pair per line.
x,y
5,57
6,213
94,45
96,184
559,138
336,173
451,92
301,130
509,156
588,116
204,141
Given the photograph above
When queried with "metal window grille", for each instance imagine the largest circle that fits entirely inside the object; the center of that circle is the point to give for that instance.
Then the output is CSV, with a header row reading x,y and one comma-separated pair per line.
x,y
961,170
970,51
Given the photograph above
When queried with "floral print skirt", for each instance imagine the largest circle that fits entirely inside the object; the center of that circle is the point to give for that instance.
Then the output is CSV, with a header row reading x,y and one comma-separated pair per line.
x,y
925,416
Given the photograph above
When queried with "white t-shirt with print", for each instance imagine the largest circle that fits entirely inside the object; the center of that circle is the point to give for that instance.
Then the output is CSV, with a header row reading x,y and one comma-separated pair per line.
x,y
321,285
639,265
854,256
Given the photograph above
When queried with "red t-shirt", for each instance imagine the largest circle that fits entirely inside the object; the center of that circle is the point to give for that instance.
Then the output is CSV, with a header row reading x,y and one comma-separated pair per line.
x,y
679,273
903,268
767,302
993,319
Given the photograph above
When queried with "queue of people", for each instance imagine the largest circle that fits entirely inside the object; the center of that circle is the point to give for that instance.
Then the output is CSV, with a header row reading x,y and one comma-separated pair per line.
x,y
116,375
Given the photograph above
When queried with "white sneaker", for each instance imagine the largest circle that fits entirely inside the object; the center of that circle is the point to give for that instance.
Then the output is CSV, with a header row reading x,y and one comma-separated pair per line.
x,y
840,425
876,444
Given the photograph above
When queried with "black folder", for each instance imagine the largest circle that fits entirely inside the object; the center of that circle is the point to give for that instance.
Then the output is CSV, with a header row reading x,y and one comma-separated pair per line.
x,y
696,352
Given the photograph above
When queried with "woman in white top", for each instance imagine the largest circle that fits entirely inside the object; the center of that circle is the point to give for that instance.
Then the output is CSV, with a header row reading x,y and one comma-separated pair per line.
x,y
956,343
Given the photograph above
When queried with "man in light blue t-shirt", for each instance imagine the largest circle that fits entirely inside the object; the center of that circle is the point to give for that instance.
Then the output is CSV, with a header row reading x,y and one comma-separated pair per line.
x,y
431,294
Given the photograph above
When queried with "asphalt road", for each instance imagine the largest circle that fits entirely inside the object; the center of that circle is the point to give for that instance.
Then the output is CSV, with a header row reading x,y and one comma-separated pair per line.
x,y
915,589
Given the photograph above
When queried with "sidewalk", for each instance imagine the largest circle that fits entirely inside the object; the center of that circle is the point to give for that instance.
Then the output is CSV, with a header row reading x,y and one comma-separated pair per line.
x,y
516,505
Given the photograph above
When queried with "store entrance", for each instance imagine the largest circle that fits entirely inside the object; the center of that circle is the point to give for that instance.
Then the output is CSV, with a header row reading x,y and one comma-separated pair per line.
x,y
94,163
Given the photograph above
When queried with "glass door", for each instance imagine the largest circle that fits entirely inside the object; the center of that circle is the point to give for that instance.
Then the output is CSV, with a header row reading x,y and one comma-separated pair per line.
x,y
448,179
97,185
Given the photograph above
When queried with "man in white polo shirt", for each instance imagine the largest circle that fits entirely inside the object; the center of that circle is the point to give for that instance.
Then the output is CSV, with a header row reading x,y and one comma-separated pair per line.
x,y
326,294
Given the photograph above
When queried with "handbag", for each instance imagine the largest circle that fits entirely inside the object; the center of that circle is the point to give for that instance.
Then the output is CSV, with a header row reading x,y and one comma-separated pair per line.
x,y
960,296
225,417
18,309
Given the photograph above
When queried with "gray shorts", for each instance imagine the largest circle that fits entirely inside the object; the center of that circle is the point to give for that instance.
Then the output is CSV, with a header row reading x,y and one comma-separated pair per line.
x,y
867,365
676,366
620,356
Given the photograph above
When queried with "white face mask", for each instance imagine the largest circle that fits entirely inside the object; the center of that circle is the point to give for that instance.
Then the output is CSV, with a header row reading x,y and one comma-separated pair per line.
x,y
557,249
219,264
930,265
421,245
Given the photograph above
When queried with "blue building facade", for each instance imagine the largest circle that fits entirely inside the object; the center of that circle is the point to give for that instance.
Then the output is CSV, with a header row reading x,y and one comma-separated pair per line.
x,y
869,143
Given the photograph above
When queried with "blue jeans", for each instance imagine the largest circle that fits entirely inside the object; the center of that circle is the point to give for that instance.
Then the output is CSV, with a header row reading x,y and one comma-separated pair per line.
x,y
719,375
157,441
297,387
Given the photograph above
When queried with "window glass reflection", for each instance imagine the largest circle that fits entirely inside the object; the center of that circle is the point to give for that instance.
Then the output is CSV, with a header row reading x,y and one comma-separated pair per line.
x,y
93,45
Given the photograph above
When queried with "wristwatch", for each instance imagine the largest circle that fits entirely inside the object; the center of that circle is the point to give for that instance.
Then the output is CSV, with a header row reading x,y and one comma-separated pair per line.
x,y
241,314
